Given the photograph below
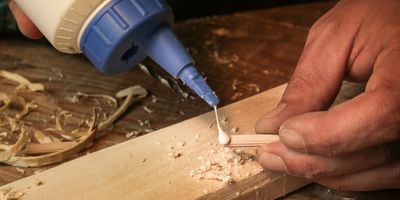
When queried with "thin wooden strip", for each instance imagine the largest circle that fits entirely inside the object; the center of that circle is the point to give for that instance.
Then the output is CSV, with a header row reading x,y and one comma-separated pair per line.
x,y
254,140
40,149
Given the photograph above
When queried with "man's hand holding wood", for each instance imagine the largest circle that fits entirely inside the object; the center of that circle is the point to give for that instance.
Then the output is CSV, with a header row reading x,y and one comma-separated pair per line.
x,y
354,145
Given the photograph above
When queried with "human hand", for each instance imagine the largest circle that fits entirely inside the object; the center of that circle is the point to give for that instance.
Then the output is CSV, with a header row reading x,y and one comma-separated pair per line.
x,y
25,25
353,146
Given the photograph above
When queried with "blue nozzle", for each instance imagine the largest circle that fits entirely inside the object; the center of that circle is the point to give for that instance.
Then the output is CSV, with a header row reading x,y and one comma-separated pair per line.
x,y
165,49
124,32
192,78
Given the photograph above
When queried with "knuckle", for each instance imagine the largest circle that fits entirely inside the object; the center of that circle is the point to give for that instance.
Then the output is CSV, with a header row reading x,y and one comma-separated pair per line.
x,y
324,144
305,168
326,27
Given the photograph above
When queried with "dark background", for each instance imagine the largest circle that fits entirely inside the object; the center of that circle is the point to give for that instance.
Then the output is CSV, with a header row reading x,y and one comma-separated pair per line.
x,y
185,9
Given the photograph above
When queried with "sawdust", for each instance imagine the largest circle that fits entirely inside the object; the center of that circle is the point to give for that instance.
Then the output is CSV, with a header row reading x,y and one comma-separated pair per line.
x,y
221,164
11,194
16,194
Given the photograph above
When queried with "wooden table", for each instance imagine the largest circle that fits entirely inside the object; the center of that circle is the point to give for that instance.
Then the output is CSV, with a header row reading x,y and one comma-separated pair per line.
x,y
258,48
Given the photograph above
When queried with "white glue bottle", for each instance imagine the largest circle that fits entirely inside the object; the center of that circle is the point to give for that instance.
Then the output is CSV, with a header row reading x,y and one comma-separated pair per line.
x,y
117,34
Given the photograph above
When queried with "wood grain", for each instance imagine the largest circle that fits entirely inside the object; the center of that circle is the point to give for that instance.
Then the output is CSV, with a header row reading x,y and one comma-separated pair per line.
x,y
142,168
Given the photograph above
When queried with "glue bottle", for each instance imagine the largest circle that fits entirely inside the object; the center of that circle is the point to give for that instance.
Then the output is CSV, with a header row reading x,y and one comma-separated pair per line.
x,y
117,34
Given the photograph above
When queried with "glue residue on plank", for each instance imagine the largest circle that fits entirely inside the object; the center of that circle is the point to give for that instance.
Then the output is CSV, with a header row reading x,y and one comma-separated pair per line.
x,y
223,137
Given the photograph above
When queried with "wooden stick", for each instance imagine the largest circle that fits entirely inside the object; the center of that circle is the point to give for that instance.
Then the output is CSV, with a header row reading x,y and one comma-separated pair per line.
x,y
254,140
40,149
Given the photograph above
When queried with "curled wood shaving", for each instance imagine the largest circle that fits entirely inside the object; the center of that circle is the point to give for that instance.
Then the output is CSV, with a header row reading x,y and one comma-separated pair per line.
x,y
27,109
42,138
107,97
23,82
4,101
11,156
59,156
14,149
59,117
130,94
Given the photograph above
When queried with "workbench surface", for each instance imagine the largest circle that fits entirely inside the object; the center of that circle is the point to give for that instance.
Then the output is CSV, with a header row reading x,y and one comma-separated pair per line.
x,y
250,50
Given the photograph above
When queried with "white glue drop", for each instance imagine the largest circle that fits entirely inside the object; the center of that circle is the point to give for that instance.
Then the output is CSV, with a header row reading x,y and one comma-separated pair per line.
x,y
223,137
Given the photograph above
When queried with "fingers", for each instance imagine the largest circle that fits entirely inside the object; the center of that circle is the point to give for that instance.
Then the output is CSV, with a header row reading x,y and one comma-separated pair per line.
x,y
370,119
25,25
383,177
317,78
277,157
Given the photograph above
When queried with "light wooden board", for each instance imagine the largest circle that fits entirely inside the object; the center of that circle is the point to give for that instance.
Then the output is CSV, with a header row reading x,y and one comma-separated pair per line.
x,y
141,168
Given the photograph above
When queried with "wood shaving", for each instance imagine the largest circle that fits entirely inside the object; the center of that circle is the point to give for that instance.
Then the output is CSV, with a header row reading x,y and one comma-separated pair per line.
x,y
234,130
27,109
225,120
235,84
148,130
147,109
42,138
4,101
23,82
254,87
154,99
14,154
132,134
237,95
78,95
226,59
59,118
21,171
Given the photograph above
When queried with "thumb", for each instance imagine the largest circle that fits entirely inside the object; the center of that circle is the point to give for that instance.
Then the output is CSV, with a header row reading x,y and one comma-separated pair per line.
x,y
317,78
25,25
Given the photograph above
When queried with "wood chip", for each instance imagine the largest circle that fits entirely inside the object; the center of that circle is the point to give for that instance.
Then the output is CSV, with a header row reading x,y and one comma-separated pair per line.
x,y
235,84
20,170
226,59
174,154
132,134
147,109
254,87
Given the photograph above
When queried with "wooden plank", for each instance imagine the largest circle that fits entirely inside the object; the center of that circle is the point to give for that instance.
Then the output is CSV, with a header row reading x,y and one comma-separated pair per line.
x,y
142,169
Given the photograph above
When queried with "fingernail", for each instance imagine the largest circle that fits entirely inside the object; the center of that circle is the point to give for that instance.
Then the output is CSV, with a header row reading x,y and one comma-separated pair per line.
x,y
292,139
272,162
275,111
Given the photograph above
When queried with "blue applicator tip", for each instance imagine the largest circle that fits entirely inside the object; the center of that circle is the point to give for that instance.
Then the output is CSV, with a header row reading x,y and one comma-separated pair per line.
x,y
192,78
166,50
